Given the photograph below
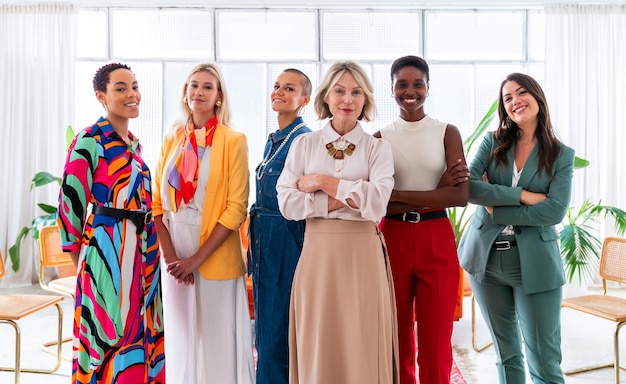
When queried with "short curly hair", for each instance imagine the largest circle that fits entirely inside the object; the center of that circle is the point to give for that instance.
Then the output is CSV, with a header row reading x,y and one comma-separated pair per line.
x,y
410,61
102,76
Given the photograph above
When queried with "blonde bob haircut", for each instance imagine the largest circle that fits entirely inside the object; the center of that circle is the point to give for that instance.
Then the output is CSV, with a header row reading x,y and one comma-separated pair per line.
x,y
330,80
223,111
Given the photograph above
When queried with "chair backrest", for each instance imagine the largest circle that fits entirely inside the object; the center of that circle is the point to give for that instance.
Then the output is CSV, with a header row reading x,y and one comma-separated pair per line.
x,y
1,265
50,251
613,259
52,254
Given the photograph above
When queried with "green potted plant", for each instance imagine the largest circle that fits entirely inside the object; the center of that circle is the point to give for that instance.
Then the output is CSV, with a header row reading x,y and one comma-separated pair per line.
x,y
579,238
50,211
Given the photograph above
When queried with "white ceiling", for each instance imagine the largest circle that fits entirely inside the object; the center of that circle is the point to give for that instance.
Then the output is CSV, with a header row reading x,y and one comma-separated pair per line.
x,y
318,3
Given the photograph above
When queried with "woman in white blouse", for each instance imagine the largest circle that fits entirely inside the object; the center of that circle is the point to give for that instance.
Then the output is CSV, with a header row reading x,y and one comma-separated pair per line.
x,y
339,178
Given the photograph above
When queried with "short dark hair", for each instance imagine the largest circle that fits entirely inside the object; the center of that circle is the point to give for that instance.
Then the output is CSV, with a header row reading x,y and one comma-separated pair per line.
x,y
307,88
410,61
101,78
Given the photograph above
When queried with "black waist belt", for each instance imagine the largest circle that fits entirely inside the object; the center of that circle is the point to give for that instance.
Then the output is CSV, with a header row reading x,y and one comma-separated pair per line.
x,y
416,217
139,218
504,245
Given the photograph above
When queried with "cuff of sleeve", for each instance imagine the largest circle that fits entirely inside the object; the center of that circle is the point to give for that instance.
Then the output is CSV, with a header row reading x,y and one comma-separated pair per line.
x,y
343,191
157,211
320,199
518,191
71,247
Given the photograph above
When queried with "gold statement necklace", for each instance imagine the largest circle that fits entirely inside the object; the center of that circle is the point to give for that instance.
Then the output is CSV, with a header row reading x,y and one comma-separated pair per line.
x,y
338,154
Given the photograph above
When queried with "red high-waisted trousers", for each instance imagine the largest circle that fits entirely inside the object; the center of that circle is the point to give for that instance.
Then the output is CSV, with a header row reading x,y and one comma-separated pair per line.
x,y
425,270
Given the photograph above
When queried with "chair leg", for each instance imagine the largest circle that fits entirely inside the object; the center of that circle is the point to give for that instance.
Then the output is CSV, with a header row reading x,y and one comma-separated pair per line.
x,y
18,342
46,348
616,351
474,331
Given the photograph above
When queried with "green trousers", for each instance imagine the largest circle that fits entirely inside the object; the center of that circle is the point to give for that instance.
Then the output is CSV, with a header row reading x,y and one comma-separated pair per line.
x,y
512,315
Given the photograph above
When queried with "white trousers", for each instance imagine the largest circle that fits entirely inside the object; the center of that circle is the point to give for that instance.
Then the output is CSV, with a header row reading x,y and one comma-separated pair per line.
x,y
208,331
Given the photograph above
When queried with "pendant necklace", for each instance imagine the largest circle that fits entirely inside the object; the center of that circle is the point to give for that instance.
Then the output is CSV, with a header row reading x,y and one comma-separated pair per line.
x,y
268,159
338,154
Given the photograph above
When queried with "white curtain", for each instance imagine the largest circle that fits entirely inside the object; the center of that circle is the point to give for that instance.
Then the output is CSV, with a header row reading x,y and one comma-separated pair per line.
x,y
586,86
37,55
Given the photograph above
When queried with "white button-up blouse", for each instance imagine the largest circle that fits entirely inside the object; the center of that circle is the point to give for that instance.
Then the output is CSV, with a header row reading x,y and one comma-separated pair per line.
x,y
365,176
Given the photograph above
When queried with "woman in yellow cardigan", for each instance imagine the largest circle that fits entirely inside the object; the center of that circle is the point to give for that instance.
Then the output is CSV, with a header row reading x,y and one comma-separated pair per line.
x,y
200,201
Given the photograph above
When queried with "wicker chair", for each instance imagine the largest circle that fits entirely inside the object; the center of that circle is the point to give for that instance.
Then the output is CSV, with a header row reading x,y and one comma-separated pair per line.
x,y
15,307
52,256
612,268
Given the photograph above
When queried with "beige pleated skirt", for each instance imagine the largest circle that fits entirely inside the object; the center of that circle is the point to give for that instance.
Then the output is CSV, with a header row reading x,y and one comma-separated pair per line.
x,y
342,325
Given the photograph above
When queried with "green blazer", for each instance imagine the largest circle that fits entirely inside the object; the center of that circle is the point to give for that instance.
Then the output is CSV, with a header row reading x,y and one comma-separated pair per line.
x,y
534,225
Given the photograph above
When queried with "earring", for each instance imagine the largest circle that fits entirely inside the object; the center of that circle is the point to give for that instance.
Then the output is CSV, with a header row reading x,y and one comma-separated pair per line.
x,y
185,99
218,103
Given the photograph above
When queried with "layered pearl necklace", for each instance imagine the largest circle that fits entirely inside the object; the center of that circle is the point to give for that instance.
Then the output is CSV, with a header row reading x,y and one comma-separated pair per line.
x,y
261,168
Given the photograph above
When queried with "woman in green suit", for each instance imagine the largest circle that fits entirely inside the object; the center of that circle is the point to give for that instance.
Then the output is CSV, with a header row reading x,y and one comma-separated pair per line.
x,y
521,178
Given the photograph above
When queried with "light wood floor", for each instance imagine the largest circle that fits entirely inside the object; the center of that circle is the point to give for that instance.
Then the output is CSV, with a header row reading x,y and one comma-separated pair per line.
x,y
586,341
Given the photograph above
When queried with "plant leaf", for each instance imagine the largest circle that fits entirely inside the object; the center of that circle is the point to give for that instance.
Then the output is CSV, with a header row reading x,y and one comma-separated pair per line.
x,y
14,251
42,221
43,178
618,215
579,248
579,162
47,208
69,137
482,127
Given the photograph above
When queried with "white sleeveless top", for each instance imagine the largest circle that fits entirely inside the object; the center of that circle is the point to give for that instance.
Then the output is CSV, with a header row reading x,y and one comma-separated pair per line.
x,y
419,155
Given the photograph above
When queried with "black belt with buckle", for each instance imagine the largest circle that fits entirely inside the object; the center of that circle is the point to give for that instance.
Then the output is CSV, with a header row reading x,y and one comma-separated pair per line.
x,y
139,218
504,245
416,217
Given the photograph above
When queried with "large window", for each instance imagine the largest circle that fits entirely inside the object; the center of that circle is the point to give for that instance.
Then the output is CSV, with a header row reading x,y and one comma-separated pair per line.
x,y
469,53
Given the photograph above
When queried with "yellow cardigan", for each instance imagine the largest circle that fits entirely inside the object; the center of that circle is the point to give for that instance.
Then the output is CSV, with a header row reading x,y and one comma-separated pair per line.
x,y
226,200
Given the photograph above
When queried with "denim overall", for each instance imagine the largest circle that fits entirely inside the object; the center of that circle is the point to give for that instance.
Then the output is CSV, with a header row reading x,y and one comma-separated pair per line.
x,y
273,253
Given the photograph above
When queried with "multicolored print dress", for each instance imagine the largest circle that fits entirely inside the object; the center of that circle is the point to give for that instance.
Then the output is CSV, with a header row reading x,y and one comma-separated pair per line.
x,y
118,318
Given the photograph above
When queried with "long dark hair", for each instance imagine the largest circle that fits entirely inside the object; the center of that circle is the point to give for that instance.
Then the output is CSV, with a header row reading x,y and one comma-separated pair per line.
x,y
508,131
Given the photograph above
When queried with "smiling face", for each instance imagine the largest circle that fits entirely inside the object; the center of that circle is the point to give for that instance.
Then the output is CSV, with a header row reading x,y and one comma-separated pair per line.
x,y
410,89
288,94
345,100
122,96
519,104
202,93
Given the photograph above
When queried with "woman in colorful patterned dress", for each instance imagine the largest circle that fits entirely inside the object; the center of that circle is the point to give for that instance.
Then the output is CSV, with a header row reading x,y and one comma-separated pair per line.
x,y
200,201
118,318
